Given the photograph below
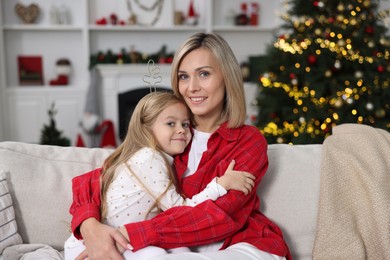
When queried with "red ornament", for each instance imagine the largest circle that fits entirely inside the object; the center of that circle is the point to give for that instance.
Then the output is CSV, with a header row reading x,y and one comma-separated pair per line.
x,y
114,19
292,75
369,29
102,21
62,79
106,128
327,129
312,59
315,3
80,141
192,16
380,68
331,20
191,9
254,14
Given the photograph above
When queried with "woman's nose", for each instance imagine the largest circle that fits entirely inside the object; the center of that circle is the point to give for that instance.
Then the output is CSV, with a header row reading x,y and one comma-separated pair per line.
x,y
193,84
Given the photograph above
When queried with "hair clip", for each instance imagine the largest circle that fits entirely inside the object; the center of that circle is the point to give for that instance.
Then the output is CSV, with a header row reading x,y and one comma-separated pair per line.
x,y
153,77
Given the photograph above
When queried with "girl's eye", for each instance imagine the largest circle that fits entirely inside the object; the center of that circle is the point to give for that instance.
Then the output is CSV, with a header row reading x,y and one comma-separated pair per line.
x,y
171,124
186,125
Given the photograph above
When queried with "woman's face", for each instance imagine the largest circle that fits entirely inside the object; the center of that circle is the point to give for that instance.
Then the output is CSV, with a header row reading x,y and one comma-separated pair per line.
x,y
201,84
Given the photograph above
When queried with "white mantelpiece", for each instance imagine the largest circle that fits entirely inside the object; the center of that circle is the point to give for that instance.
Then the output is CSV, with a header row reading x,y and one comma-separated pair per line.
x,y
117,79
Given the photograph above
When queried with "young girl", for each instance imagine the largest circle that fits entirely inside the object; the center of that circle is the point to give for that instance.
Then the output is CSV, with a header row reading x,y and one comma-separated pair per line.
x,y
137,180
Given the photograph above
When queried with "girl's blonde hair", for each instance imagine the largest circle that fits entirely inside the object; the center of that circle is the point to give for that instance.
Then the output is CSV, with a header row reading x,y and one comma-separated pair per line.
x,y
234,110
139,135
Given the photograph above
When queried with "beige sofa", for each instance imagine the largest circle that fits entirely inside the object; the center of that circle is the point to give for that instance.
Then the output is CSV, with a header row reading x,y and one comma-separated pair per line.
x,y
39,179
352,165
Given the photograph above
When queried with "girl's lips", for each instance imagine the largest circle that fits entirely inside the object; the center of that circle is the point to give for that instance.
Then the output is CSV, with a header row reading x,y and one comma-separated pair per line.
x,y
179,139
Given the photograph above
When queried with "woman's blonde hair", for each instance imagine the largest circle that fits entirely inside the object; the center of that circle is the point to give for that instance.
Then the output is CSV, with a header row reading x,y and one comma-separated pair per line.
x,y
234,110
139,135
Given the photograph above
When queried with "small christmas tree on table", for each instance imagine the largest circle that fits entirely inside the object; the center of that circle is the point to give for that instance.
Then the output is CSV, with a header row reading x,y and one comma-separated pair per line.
x,y
331,65
50,135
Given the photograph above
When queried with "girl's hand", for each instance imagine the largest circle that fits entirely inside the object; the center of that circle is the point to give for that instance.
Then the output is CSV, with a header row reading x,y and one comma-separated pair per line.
x,y
237,180
100,241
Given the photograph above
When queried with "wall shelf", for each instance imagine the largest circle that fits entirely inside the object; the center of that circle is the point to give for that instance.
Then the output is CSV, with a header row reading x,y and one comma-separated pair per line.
x,y
26,106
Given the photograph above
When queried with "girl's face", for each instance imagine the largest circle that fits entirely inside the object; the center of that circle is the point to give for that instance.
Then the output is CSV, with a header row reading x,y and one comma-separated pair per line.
x,y
172,129
201,84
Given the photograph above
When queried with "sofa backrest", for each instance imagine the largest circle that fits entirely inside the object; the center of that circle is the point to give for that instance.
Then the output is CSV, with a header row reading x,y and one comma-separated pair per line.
x,y
289,193
40,184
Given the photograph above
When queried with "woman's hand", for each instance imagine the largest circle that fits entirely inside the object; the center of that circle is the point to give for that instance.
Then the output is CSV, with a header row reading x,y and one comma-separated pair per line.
x,y
237,180
100,241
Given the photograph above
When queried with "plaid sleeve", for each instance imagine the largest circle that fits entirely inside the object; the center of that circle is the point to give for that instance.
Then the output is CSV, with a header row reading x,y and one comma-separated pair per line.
x,y
86,199
184,226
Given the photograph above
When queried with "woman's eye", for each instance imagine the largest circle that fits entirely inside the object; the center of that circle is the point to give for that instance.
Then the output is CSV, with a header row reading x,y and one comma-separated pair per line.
x,y
204,73
182,76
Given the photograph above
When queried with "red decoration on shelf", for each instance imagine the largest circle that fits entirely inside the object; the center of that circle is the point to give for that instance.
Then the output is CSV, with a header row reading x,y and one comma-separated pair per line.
x,y
63,68
114,19
192,16
191,10
30,70
60,80
254,14
101,21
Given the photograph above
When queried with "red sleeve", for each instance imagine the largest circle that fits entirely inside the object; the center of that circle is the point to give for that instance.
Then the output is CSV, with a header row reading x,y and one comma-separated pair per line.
x,y
210,221
86,199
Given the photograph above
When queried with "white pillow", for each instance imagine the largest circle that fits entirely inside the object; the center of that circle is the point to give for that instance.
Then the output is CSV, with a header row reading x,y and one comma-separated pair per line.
x,y
9,235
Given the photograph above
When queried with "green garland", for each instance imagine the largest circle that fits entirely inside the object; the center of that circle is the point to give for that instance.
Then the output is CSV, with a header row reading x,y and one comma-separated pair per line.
x,y
129,57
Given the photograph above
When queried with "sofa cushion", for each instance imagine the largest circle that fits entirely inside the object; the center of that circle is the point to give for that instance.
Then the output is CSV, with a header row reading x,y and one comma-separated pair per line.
x,y
289,193
40,182
9,235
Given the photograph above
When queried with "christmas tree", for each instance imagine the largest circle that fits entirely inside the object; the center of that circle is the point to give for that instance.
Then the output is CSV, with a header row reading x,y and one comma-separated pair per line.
x,y
50,135
329,65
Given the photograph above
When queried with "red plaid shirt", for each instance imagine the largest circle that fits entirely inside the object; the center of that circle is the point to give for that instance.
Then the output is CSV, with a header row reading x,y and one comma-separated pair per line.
x,y
233,218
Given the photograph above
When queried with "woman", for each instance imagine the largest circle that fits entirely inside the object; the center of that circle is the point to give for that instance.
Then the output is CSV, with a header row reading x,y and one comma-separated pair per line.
x,y
207,76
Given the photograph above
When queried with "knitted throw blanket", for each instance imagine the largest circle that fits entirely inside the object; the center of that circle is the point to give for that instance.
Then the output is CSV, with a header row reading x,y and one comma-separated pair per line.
x,y
354,208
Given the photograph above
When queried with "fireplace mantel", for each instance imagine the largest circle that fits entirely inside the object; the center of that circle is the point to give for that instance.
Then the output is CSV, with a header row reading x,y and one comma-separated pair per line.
x,y
118,79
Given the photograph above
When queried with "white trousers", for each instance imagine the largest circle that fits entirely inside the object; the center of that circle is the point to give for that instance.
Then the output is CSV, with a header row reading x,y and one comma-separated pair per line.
x,y
241,251
73,247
